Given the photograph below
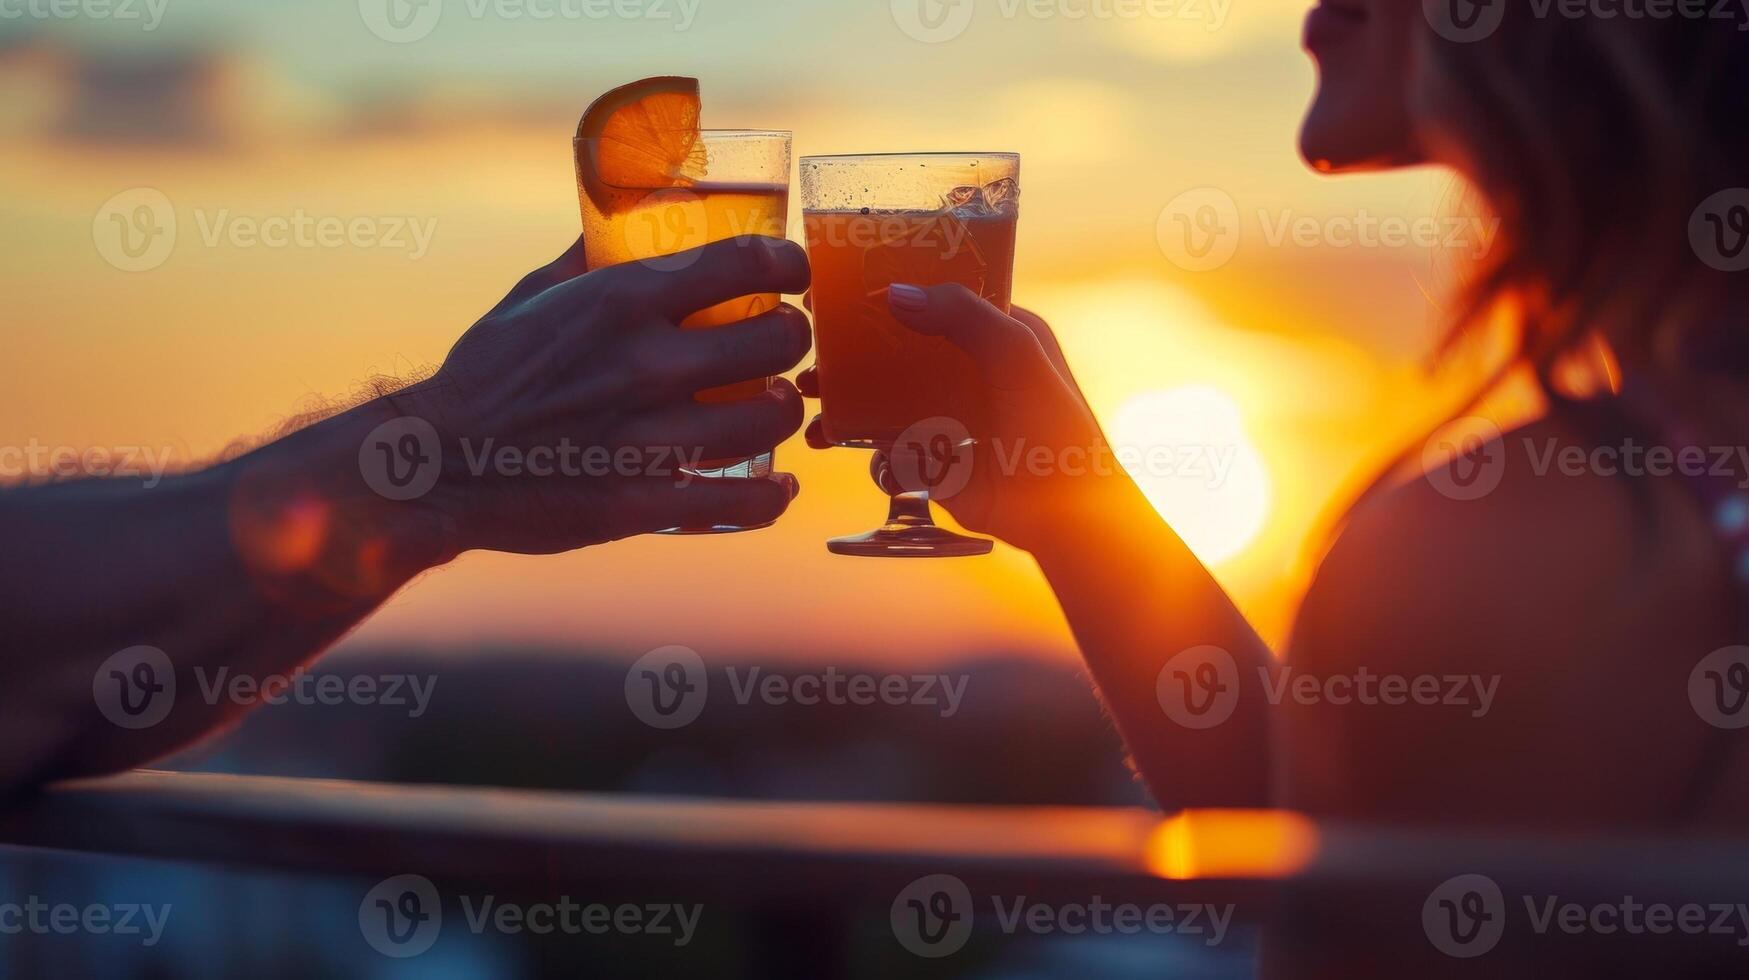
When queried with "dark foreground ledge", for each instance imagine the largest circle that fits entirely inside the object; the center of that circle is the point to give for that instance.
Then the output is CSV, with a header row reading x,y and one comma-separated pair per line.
x,y
837,852
536,838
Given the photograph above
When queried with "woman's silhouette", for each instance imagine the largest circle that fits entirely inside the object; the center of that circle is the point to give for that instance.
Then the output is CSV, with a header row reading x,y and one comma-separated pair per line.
x,y
1609,148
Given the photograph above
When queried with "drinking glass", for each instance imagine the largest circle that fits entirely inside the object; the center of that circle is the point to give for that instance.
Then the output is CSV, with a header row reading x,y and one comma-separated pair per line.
x,y
925,219
744,192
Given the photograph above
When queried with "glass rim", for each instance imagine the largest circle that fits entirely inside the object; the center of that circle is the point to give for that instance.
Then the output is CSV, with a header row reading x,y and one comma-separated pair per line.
x,y
926,154
728,133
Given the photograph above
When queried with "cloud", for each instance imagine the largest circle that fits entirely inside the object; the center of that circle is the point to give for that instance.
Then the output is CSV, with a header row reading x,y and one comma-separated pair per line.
x,y
173,98
177,99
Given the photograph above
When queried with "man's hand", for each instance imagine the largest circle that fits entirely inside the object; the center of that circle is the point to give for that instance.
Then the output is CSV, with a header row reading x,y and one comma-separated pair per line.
x,y
565,414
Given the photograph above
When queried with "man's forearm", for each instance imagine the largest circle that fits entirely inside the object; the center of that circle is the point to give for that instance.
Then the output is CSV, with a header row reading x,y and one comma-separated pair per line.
x,y
255,565
1137,600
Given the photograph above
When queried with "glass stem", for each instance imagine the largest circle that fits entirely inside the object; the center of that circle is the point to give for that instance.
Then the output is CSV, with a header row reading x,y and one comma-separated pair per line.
x,y
910,509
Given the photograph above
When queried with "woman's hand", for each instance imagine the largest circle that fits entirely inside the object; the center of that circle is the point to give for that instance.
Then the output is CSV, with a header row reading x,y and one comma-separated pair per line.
x,y
562,418
1036,451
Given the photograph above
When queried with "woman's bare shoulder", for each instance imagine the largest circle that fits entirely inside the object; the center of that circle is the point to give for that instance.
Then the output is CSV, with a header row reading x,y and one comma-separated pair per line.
x,y
1577,600
1540,535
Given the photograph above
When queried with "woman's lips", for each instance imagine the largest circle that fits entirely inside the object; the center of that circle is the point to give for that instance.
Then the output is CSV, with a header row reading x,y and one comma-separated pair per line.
x,y
1329,23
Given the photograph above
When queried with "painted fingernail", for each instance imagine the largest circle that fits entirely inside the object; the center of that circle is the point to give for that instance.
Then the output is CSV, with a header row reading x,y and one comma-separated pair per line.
x,y
795,485
907,297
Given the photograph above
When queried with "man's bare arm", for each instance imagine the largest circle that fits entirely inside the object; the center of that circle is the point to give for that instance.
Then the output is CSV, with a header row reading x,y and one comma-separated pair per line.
x,y
262,562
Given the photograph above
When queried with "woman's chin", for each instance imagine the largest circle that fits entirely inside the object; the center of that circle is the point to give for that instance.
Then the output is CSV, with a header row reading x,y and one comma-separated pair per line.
x,y
1333,141
1325,151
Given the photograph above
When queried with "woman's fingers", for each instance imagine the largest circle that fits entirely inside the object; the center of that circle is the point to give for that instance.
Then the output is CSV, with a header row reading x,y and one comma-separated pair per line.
x,y
808,382
1005,349
757,347
1047,339
724,430
815,434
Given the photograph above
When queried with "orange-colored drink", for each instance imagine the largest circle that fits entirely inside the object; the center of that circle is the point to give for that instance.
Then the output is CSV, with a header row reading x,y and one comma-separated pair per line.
x,y
653,186
878,377
636,224
923,219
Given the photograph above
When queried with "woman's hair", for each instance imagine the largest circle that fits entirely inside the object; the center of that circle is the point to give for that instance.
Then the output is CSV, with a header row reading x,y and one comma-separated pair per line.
x,y
1596,140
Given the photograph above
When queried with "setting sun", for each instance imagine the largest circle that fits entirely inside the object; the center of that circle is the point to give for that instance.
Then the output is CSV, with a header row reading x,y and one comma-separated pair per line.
x,y
1188,451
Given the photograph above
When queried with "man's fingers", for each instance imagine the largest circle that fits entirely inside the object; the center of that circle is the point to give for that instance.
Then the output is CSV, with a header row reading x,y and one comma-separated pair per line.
x,y
757,347
731,430
702,503
1005,349
686,282
808,382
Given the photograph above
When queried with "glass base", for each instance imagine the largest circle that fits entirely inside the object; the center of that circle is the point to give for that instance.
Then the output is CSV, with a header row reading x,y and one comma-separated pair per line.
x,y
910,533
899,541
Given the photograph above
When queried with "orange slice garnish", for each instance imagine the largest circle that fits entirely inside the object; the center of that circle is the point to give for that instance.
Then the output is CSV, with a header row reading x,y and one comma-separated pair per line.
x,y
644,136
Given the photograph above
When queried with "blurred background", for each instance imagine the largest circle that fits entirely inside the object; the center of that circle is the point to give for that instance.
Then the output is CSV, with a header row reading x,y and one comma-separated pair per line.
x,y
445,125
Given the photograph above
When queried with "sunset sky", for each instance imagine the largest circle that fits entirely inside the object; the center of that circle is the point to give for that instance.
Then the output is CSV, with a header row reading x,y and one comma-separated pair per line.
x,y
1305,360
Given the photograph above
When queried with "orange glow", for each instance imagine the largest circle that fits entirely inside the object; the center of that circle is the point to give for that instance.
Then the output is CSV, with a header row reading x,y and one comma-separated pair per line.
x,y
279,540
1231,844
1187,449
1318,348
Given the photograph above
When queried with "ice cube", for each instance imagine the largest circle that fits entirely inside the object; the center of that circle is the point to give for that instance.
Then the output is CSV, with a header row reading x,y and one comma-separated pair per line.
x,y
1001,196
964,196
996,197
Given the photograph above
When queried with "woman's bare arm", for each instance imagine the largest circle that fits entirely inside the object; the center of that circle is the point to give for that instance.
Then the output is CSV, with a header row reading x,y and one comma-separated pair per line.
x,y
1178,666
1174,660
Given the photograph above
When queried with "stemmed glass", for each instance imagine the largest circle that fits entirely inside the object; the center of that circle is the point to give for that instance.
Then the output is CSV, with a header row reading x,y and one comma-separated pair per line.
x,y
923,219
